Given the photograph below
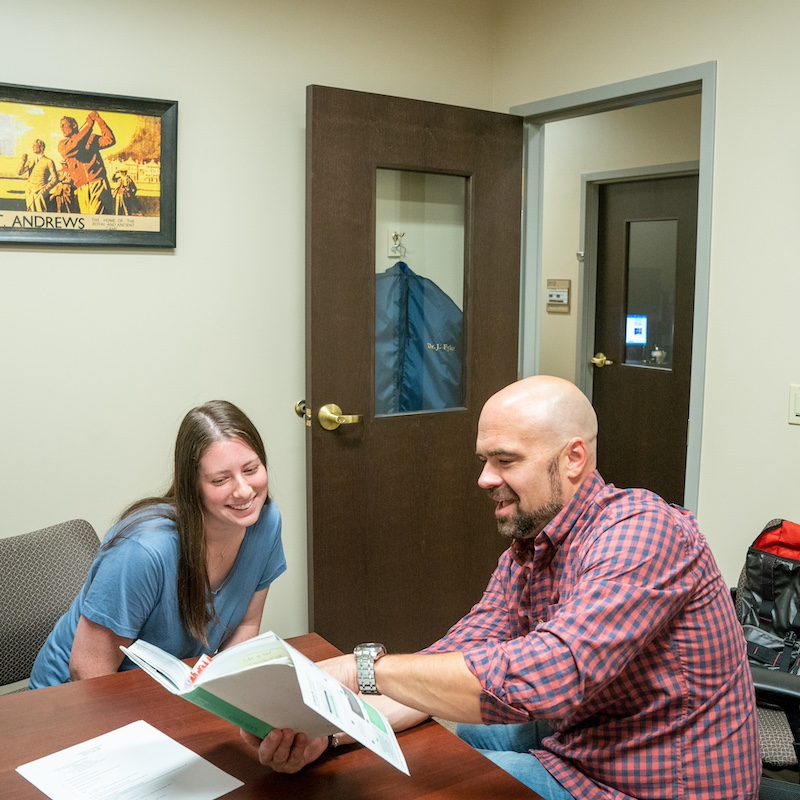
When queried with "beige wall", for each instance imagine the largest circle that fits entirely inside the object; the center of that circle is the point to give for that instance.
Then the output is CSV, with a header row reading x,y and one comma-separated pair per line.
x,y
103,351
750,467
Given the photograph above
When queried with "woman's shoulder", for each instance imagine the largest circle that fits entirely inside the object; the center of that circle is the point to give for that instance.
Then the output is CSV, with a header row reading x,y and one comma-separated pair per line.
x,y
269,521
148,526
263,545
270,514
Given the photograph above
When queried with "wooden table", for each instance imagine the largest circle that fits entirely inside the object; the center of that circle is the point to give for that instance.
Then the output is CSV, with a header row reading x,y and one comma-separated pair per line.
x,y
35,724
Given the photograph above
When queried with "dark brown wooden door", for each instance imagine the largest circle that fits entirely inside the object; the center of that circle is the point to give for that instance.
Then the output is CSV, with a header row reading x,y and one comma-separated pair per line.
x,y
643,324
401,540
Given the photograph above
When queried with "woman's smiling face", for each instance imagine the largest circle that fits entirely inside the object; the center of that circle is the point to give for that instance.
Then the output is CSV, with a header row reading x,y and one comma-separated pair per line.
x,y
233,485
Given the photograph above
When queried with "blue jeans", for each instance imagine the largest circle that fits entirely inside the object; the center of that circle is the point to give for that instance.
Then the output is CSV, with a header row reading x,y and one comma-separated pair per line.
x,y
508,746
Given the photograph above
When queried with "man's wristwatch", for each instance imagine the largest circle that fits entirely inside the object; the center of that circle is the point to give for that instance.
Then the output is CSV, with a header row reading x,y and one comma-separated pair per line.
x,y
366,655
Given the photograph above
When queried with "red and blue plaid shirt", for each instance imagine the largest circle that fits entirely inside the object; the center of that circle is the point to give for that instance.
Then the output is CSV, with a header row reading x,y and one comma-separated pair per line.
x,y
616,626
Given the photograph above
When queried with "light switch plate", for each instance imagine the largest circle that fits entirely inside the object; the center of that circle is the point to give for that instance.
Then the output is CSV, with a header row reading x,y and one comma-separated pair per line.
x,y
558,296
794,404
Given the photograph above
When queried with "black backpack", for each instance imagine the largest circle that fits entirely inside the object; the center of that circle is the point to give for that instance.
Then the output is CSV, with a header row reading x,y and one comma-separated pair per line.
x,y
768,597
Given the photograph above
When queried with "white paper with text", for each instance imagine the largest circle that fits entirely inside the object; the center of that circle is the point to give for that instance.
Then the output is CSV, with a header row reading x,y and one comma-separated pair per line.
x,y
135,762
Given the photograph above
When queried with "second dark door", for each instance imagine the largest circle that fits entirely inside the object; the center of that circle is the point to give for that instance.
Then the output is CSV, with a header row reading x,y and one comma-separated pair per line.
x,y
643,331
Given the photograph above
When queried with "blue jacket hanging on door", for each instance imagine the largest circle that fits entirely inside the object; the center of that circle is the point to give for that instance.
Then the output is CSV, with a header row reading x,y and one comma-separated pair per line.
x,y
418,344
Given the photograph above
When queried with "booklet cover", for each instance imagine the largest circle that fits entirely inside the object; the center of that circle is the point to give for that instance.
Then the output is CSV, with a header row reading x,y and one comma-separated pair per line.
x,y
265,683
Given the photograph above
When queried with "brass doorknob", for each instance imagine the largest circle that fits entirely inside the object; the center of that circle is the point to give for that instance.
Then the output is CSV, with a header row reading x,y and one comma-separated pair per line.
x,y
600,360
330,417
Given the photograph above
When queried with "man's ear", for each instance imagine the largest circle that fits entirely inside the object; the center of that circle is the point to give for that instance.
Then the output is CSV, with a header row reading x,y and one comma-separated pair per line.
x,y
576,455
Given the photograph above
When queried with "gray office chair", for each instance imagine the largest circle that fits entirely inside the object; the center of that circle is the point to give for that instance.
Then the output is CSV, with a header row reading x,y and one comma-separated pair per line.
x,y
778,743
777,693
778,708
40,574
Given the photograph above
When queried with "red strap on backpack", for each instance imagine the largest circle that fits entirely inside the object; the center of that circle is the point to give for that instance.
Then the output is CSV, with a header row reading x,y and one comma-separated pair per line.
x,y
780,537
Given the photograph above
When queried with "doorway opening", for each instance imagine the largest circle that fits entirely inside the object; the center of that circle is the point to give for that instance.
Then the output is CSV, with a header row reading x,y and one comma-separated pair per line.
x,y
697,81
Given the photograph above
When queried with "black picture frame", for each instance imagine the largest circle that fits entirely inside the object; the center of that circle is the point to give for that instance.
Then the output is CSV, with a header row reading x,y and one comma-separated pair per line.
x,y
76,209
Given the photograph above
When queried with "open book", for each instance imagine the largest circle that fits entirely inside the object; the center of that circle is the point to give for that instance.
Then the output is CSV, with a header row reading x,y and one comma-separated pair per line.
x,y
265,683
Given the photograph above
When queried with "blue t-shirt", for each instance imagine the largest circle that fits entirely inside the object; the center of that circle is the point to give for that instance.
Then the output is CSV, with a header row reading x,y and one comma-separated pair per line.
x,y
132,590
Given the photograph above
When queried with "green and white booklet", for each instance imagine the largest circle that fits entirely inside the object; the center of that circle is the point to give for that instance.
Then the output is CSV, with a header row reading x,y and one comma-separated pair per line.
x,y
265,683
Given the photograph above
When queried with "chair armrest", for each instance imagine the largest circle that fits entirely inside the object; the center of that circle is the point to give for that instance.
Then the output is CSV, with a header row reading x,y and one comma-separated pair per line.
x,y
776,684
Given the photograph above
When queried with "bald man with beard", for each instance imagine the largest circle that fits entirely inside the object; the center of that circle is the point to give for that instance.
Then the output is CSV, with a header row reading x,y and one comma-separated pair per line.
x,y
604,659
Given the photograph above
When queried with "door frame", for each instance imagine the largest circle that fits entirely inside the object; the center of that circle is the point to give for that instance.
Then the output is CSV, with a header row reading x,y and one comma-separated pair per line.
x,y
697,79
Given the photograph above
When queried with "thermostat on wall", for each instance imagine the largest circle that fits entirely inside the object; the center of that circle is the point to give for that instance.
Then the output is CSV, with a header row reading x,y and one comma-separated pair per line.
x,y
557,296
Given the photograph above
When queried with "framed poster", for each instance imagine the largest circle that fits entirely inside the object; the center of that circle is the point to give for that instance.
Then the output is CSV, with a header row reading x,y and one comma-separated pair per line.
x,y
86,169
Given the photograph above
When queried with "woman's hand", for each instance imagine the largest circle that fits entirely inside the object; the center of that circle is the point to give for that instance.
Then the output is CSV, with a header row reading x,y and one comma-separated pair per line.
x,y
286,751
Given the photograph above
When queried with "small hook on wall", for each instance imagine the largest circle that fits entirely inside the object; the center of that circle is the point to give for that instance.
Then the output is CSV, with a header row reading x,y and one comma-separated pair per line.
x,y
397,248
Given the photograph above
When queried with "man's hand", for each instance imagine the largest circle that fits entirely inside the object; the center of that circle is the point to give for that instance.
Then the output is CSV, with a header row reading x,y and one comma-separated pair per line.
x,y
286,751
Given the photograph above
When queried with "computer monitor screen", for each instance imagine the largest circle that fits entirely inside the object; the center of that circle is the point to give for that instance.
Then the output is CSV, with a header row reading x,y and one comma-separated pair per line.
x,y
636,329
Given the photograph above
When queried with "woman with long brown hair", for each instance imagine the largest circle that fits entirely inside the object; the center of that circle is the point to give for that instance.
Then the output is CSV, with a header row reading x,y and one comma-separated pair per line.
x,y
188,571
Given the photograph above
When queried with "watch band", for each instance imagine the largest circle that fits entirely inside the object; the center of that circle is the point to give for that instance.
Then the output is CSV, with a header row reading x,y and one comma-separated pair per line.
x,y
366,655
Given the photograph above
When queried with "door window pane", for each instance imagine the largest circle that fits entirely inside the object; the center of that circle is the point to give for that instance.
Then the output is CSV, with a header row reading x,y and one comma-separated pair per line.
x,y
419,291
650,313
